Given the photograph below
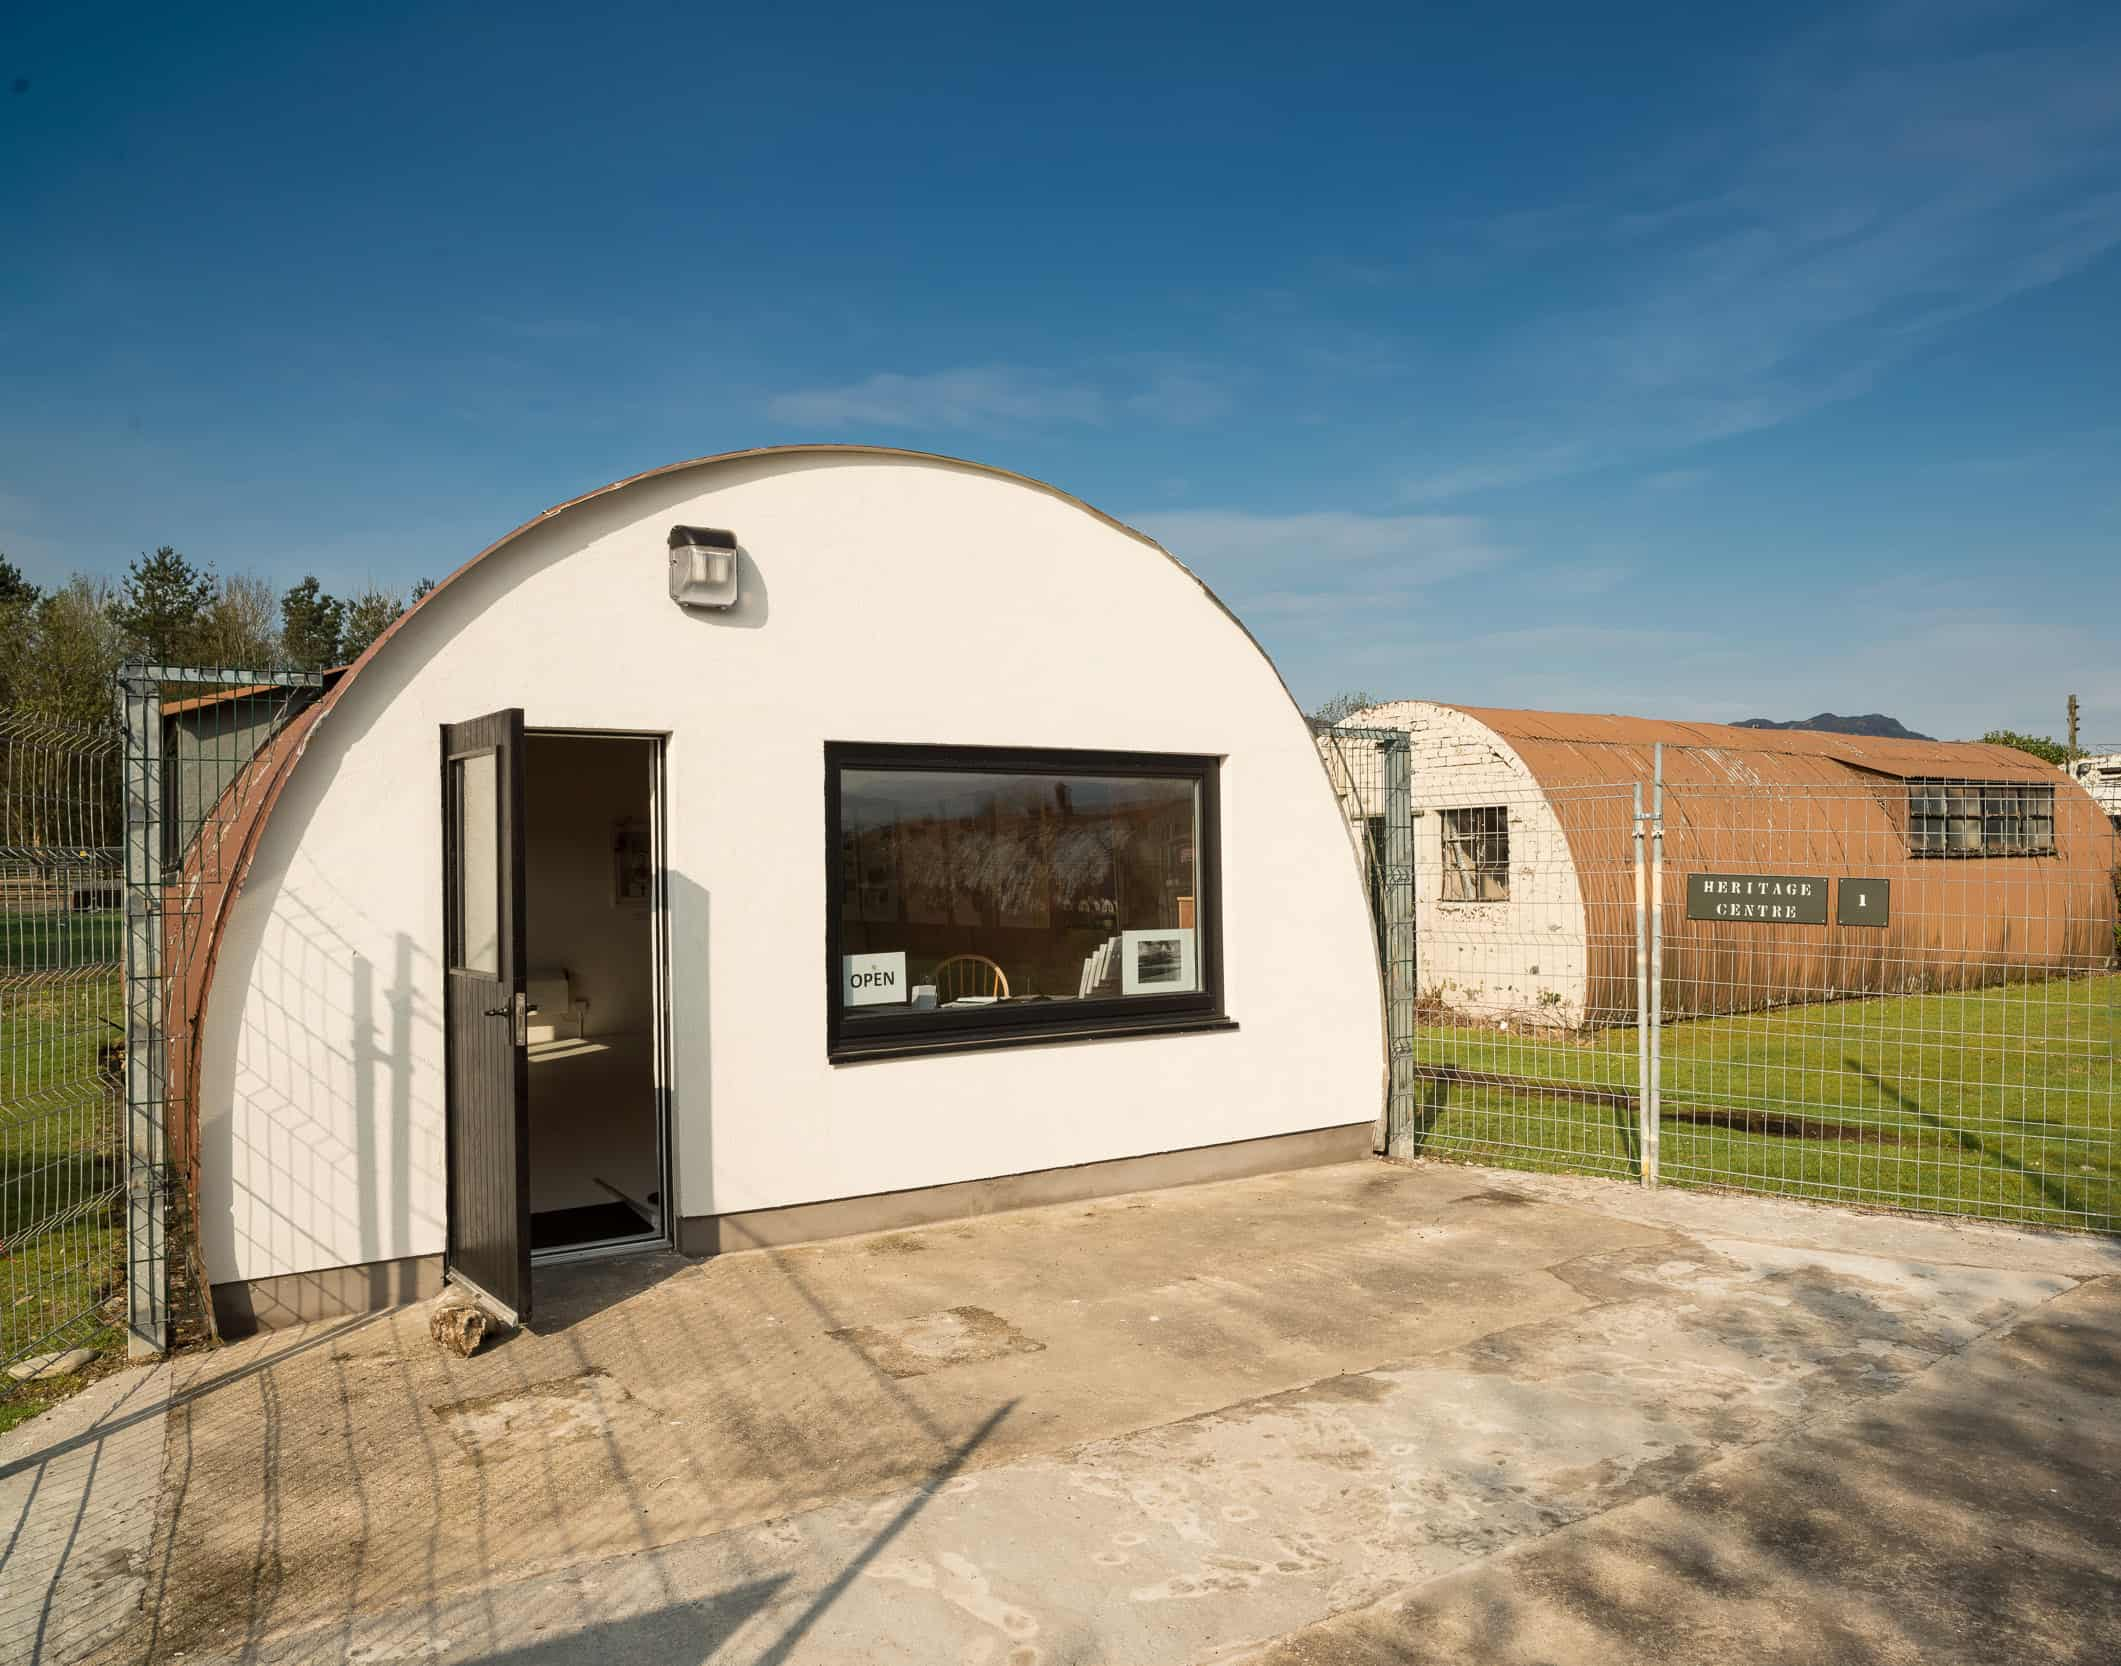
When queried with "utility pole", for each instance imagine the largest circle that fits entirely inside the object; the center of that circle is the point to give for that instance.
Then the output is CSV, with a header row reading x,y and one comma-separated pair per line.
x,y
2072,725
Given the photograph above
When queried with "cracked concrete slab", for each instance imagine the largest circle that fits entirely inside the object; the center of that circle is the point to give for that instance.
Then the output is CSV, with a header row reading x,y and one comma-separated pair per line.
x,y
1255,1410
1967,1518
78,1494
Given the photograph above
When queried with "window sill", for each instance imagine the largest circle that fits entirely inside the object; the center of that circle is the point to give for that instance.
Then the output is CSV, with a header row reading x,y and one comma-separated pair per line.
x,y
862,1051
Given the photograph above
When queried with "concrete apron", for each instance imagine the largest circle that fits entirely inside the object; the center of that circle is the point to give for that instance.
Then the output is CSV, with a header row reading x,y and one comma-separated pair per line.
x,y
1170,1428
77,1513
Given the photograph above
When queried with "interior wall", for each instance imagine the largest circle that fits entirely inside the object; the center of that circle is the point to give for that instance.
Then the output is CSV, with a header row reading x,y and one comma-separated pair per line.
x,y
576,789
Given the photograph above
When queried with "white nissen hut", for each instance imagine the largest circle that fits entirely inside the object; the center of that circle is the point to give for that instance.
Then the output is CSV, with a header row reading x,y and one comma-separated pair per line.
x,y
784,844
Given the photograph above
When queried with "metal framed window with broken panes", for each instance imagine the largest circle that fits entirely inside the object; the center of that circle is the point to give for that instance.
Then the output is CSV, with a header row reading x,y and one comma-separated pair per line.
x,y
1980,818
1777,987
1476,853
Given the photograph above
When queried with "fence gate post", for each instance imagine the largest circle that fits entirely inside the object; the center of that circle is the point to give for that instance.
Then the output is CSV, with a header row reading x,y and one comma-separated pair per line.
x,y
146,1138
1653,1081
1398,889
1643,1124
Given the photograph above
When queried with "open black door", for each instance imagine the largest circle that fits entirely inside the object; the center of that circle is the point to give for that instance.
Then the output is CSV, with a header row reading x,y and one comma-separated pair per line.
x,y
484,1017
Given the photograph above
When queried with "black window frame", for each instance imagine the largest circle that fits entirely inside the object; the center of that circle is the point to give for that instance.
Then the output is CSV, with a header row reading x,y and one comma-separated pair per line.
x,y
1998,807
1495,825
857,1034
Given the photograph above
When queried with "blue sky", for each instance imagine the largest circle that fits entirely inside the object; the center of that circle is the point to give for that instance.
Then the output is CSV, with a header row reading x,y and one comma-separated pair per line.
x,y
1681,360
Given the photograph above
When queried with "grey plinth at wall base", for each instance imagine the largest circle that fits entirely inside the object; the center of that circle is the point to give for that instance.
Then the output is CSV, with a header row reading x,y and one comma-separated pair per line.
x,y
885,1211
244,1306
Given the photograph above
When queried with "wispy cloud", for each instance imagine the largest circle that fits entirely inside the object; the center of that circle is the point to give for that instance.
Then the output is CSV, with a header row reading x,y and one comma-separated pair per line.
x,y
1410,549
1868,193
979,396
1675,480
1493,475
1327,584
1183,397
1149,388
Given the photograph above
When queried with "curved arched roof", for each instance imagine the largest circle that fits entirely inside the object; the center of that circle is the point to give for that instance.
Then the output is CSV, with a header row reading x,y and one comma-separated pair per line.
x,y
821,450
1582,749
221,860
296,738
1573,749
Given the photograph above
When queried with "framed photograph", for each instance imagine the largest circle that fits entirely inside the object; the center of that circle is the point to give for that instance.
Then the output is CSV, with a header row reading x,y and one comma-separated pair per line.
x,y
632,864
1157,961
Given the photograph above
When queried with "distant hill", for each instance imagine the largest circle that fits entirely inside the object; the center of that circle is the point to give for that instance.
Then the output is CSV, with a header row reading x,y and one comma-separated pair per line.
x,y
1875,724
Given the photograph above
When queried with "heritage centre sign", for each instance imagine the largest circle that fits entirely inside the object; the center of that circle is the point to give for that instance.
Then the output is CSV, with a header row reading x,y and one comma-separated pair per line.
x,y
1765,898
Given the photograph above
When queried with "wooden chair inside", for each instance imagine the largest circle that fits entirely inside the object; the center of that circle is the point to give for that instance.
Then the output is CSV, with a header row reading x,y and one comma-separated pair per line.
x,y
968,974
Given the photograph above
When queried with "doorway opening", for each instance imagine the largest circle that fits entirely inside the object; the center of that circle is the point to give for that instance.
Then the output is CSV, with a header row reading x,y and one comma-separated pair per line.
x,y
598,1159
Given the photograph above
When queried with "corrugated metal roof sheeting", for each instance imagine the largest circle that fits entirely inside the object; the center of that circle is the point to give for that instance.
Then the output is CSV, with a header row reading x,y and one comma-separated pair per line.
x,y
1781,801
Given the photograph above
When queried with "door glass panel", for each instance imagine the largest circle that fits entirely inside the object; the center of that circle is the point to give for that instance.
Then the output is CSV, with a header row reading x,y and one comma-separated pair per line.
x,y
478,876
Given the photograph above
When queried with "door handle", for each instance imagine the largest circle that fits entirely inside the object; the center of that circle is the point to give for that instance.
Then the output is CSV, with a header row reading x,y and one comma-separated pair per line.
x,y
518,1008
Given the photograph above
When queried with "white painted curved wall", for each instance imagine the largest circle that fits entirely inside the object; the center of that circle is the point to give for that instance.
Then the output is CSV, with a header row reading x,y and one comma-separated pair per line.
x,y
884,600
1524,961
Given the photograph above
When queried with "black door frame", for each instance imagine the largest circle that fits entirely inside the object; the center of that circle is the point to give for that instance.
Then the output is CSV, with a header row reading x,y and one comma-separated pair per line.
x,y
657,742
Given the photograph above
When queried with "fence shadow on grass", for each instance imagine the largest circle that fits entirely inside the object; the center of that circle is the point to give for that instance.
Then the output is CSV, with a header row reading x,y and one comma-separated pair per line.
x,y
2058,1193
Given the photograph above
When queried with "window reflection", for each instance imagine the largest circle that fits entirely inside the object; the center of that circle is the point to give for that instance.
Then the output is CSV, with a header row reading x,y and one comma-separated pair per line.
x,y
1019,887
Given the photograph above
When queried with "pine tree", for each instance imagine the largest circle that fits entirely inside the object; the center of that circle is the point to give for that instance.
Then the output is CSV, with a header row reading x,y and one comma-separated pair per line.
x,y
368,616
160,605
17,591
18,601
311,623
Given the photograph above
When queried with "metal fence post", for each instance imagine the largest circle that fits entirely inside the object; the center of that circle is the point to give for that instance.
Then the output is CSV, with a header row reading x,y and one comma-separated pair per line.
x,y
1653,1087
146,1136
1645,1127
1399,944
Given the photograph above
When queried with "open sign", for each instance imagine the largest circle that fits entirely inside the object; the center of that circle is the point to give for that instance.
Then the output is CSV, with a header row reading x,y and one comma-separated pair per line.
x,y
870,980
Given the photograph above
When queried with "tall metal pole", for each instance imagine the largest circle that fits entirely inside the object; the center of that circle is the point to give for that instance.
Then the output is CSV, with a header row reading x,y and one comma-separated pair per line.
x,y
1643,1124
1399,944
146,1066
1653,1093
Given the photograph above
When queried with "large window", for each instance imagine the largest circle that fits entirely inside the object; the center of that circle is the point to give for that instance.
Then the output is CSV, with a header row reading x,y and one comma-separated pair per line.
x,y
981,897
1476,854
1980,818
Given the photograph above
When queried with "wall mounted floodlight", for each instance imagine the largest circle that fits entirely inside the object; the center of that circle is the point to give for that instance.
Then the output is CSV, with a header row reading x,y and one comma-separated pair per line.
x,y
702,566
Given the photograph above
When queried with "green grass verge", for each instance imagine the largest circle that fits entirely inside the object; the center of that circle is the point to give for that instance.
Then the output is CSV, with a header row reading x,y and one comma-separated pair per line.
x,y
1997,1102
61,1220
60,942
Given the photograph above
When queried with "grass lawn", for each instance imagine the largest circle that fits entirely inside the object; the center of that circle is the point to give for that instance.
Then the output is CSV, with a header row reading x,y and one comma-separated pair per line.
x,y
55,942
1999,1102
61,1218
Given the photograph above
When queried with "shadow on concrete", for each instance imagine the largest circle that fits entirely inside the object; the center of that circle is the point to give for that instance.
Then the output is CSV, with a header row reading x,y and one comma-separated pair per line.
x,y
684,1631
1958,1521
217,1593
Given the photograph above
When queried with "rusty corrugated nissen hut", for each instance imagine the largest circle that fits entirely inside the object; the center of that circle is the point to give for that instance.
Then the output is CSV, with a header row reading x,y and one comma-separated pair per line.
x,y
1985,863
